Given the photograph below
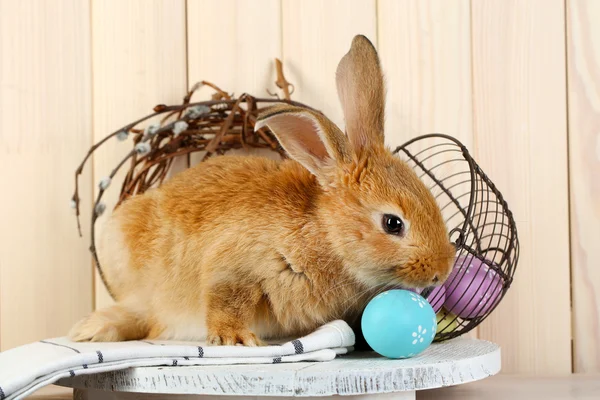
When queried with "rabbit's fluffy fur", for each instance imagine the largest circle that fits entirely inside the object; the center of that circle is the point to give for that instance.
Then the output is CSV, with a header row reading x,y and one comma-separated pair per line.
x,y
239,249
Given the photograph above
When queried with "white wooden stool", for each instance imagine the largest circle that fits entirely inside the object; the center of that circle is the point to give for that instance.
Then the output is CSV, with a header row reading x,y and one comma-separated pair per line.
x,y
361,375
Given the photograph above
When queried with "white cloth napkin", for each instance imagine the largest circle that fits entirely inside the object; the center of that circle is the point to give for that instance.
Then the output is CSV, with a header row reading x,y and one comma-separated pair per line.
x,y
27,368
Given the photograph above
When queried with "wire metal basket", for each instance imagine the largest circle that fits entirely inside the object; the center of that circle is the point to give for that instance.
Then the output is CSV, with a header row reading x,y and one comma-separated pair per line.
x,y
480,224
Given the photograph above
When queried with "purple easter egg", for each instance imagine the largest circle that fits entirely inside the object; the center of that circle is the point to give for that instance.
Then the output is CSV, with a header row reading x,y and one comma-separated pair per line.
x,y
473,288
436,298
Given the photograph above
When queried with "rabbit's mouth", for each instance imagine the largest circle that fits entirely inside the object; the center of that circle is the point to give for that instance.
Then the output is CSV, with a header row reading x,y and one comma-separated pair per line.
x,y
389,277
395,276
404,277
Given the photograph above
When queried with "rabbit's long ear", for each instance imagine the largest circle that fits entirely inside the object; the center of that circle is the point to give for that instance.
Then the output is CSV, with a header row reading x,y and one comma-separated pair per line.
x,y
307,136
362,94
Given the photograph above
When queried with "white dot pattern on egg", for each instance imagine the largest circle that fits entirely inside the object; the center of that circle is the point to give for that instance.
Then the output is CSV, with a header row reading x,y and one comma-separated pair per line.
x,y
418,336
420,301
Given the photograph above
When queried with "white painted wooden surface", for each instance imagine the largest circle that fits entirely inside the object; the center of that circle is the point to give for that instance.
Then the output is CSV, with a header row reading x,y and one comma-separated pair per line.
x,y
455,362
92,394
499,387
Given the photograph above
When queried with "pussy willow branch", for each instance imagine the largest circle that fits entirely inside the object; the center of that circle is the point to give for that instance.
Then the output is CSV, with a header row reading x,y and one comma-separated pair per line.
x,y
236,130
161,109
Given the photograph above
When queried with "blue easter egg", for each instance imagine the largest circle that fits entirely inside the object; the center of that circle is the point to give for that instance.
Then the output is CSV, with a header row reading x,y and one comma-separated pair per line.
x,y
399,324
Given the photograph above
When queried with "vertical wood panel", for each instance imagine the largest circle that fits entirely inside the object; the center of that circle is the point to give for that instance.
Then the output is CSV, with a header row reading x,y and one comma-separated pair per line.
x,y
425,50
583,40
316,35
233,44
519,82
139,53
45,127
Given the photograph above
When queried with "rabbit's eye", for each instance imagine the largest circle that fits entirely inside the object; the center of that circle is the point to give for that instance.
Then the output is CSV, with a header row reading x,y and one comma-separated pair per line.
x,y
392,224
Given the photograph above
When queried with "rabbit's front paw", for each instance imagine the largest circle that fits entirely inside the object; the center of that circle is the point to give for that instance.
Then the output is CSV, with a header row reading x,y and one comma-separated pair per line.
x,y
231,337
94,329
113,324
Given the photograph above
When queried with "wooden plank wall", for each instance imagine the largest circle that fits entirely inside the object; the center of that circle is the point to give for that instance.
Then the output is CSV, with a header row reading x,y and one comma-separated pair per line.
x,y
583,49
519,110
45,128
235,53
139,60
516,81
316,35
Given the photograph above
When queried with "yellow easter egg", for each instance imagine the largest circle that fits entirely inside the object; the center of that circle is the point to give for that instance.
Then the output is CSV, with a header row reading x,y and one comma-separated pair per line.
x,y
446,322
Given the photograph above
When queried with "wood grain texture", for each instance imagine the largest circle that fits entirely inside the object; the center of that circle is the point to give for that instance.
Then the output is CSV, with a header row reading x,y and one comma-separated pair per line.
x,y
52,392
519,97
583,46
451,363
316,35
139,53
498,387
90,394
45,126
521,387
425,50
233,44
